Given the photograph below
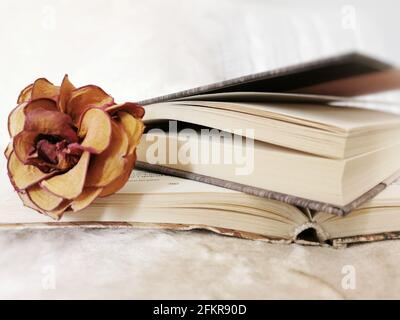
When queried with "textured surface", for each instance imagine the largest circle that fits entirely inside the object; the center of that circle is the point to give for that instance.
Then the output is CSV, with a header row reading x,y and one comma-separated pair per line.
x,y
159,264
138,50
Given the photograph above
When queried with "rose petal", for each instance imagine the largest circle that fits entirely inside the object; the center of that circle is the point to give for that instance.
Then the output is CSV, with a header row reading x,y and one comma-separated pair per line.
x,y
43,199
43,88
134,109
120,181
26,94
70,184
133,127
43,103
23,176
24,144
8,150
51,123
27,201
85,97
57,213
65,93
85,198
110,164
96,130
16,120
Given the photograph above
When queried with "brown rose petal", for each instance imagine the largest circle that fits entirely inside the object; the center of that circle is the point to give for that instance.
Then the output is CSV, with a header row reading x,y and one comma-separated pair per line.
x,y
120,181
26,94
24,144
133,108
23,176
51,123
58,212
70,184
55,213
27,201
43,199
110,164
42,103
8,150
133,127
85,198
65,93
96,130
84,98
16,120
43,88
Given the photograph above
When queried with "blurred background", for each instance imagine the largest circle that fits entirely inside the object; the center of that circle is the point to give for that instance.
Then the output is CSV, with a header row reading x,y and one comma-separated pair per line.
x,y
140,49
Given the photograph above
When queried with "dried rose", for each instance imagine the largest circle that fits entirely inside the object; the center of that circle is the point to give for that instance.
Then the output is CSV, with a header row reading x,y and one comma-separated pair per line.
x,y
70,145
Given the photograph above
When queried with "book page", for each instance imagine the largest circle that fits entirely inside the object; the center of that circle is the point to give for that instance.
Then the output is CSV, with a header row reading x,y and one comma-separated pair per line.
x,y
148,182
346,116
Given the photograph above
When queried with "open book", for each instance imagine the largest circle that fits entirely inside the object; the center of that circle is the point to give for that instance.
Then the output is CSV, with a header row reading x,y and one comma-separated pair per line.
x,y
158,201
321,152
362,145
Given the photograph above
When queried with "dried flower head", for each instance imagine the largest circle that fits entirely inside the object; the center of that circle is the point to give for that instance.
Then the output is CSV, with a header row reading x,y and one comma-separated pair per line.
x,y
70,145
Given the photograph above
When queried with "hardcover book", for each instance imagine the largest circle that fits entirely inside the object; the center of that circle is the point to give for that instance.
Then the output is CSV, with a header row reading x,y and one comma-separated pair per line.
x,y
321,152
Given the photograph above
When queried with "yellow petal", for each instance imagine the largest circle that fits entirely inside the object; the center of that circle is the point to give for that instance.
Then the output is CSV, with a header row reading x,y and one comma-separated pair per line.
x,y
43,199
65,93
8,150
85,198
23,176
134,109
27,201
120,181
84,98
16,120
133,127
26,94
110,164
96,130
43,88
70,184
57,213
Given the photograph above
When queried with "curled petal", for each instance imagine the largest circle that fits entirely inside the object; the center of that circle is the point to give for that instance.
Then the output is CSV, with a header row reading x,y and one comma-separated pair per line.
x,y
52,123
26,94
70,184
23,176
96,130
85,97
110,164
27,201
43,199
133,127
85,198
65,93
42,103
43,88
58,212
9,150
120,181
16,120
134,109
24,144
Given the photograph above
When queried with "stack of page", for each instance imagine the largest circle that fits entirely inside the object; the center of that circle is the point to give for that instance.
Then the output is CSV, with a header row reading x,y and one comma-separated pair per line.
x,y
288,155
